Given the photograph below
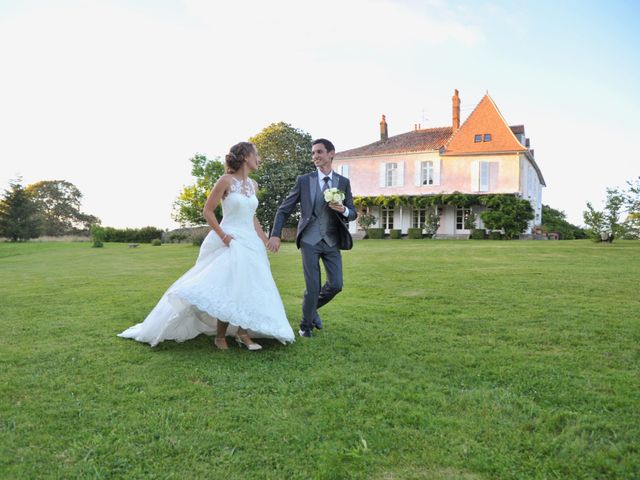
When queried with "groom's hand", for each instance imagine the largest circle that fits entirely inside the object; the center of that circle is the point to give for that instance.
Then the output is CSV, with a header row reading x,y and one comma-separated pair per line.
x,y
273,244
338,207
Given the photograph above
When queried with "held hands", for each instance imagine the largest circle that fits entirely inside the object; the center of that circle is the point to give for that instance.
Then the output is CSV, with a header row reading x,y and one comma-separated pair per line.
x,y
273,244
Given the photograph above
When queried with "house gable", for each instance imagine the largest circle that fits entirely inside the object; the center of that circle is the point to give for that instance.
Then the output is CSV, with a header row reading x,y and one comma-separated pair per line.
x,y
484,132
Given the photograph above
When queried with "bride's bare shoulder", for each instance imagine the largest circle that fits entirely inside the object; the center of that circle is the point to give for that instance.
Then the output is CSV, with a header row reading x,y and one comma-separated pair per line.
x,y
225,180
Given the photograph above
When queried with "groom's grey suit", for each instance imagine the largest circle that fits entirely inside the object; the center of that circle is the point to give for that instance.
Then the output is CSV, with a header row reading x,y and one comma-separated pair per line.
x,y
322,233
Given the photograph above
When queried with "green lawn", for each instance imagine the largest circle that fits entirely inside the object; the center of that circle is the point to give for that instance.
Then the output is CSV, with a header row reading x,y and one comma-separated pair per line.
x,y
439,360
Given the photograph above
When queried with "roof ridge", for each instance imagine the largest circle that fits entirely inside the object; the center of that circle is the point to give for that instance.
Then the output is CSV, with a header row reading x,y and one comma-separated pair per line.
x,y
465,121
505,121
425,139
491,104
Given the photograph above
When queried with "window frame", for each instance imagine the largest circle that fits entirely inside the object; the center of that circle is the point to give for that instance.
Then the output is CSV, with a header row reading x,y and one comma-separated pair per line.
x,y
461,214
427,173
421,214
386,214
390,174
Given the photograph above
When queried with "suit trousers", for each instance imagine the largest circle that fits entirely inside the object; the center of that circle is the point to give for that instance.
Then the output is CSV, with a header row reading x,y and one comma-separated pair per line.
x,y
314,296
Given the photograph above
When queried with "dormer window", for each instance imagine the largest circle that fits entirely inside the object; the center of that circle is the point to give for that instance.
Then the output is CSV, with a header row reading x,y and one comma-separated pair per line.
x,y
479,137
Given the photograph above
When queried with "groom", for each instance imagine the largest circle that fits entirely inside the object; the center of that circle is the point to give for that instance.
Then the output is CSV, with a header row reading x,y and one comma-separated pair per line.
x,y
323,230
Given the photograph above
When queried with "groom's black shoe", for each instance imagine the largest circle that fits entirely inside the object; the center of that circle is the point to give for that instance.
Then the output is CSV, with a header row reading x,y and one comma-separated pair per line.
x,y
305,332
317,322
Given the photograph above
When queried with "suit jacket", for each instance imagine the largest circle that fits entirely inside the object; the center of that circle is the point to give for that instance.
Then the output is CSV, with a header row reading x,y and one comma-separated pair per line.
x,y
304,192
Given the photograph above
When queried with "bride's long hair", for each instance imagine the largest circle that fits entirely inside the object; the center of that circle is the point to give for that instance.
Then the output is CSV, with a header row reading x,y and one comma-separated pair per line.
x,y
237,156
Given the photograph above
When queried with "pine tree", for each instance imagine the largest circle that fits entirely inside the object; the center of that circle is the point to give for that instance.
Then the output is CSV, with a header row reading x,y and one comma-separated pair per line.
x,y
19,217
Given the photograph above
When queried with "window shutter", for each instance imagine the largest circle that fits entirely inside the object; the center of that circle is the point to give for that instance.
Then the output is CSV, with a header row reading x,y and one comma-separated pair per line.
x,y
382,174
475,167
400,181
484,176
417,176
436,171
345,171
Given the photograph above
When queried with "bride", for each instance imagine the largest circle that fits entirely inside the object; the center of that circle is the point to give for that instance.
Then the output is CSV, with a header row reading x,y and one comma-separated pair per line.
x,y
230,290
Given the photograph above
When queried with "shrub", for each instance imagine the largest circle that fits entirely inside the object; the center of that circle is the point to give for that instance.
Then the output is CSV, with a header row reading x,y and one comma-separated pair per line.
x,y
478,234
156,242
507,213
395,233
366,220
432,222
376,233
131,235
197,240
97,235
414,233
495,235
177,237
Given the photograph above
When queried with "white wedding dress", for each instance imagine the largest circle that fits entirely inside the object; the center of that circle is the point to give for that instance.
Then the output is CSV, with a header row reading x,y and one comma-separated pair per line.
x,y
233,284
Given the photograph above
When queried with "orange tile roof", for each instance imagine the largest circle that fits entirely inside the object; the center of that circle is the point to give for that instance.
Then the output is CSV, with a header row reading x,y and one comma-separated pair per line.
x,y
415,141
485,118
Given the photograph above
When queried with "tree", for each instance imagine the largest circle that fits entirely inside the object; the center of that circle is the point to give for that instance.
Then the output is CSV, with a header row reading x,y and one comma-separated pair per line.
x,y
594,219
555,221
631,197
285,152
98,235
365,220
58,203
432,221
19,219
508,213
606,222
187,209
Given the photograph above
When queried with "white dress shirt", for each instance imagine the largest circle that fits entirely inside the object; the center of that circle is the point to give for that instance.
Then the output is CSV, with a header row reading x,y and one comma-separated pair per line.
x,y
329,185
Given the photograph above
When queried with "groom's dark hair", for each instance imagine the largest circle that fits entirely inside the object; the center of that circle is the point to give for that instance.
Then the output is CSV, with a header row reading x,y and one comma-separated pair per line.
x,y
327,144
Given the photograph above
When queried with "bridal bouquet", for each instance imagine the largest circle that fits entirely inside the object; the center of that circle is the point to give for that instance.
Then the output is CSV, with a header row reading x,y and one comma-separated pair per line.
x,y
333,195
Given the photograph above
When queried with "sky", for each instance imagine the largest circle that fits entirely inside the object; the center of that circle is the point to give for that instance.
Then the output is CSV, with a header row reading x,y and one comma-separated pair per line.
x,y
116,96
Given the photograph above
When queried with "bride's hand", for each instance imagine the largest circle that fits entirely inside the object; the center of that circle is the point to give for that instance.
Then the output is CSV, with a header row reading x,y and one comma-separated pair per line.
x,y
227,239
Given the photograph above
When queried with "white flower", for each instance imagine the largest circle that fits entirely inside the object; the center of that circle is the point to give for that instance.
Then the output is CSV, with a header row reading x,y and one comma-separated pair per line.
x,y
333,195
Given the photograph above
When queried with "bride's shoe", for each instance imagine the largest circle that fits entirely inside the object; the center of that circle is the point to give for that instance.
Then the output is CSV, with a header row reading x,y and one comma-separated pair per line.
x,y
250,346
221,343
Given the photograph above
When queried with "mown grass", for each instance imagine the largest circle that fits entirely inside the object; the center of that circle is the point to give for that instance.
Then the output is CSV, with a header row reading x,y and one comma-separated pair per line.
x,y
440,359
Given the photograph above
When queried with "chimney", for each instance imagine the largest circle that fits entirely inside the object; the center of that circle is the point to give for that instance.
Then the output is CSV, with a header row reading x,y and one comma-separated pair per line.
x,y
384,132
456,111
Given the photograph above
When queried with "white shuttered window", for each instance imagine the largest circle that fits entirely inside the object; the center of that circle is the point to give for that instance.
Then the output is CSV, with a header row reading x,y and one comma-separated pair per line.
x,y
392,174
484,176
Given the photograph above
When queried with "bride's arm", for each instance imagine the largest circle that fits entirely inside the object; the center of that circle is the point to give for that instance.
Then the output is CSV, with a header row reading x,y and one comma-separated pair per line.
x,y
259,231
256,223
213,201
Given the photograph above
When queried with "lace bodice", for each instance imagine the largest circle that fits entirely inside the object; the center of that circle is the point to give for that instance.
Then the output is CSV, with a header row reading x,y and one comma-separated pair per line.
x,y
244,187
239,206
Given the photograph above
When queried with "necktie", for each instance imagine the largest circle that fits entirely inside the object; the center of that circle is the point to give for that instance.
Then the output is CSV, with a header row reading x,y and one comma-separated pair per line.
x,y
326,183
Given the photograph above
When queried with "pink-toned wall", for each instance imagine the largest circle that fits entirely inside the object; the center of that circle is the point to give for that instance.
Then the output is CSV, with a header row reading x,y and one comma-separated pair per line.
x,y
455,174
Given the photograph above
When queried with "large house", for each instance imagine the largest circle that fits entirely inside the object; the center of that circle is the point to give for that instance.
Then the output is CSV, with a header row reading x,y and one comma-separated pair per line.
x,y
483,156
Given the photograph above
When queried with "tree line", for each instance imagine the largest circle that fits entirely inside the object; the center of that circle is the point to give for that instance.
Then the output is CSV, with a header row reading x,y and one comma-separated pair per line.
x,y
620,217
52,207
48,207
